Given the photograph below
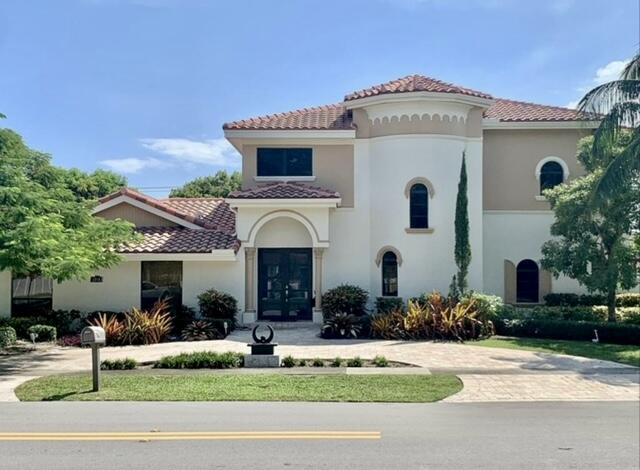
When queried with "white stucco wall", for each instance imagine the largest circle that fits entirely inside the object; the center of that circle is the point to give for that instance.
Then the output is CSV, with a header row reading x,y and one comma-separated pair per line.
x,y
5,293
283,232
428,258
199,276
516,236
118,291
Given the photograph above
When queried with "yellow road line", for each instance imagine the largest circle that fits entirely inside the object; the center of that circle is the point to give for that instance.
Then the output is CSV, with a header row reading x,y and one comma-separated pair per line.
x,y
167,436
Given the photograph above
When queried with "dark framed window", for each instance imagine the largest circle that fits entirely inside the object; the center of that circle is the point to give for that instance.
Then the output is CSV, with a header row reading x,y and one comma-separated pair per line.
x,y
161,280
419,206
551,175
285,162
31,296
527,282
389,274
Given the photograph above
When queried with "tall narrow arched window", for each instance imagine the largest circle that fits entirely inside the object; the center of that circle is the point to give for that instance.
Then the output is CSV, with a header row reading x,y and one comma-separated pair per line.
x,y
390,274
527,282
419,206
551,175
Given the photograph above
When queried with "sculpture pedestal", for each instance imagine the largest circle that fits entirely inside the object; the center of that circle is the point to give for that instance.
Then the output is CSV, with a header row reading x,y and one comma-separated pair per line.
x,y
259,361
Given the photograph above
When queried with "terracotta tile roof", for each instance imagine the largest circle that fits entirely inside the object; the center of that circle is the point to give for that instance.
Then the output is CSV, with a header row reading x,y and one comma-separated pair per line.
x,y
293,190
210,213
181,240
521,111
412,83
329,117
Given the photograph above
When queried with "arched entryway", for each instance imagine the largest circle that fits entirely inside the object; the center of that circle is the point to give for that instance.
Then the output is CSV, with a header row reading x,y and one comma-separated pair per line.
x,y
527,282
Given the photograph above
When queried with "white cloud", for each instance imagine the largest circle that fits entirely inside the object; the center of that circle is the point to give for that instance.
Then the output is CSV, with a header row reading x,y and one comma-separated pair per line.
x,y
217,152
572,104
134,165
610,72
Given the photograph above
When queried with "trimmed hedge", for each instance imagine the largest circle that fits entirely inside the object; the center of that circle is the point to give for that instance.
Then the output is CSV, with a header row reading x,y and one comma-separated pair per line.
x,y
44,332
389,304
588,300
7,336
614,333
202,360
119,364
629,315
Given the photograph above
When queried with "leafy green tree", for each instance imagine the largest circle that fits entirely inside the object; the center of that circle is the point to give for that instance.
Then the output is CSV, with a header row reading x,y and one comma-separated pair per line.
x,y
619,104
44,228
594,243
91,186
218,185
462,248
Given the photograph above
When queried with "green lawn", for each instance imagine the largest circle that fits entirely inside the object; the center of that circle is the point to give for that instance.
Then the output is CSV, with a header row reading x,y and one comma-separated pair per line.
x,y
609,352
243,387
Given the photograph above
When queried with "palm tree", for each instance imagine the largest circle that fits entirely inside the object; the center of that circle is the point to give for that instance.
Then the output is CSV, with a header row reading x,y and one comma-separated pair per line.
x,y
618,102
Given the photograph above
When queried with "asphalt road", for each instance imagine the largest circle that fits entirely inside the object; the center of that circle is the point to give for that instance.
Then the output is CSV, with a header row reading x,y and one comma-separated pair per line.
x,y
312,435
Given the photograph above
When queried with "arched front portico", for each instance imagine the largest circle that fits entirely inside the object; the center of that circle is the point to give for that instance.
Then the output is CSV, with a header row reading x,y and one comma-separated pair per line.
x,y
283,267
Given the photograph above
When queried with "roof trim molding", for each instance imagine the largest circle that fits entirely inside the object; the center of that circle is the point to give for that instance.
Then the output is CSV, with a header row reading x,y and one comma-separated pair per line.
x,y
289,134
419,96
492,123
123,198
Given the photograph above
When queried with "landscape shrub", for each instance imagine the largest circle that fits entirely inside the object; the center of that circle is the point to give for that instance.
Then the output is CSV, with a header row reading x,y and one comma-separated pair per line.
x,y
388,326
181,317
152,327
113,327
571,330
337,362
201,330
22,324
218,305
628,300
119,364
389,304
69,340
8,336
489,307
288,362
355,362
598,313
341,326
380,361
302,363
202,360
629,315
317,362
44,333
345,298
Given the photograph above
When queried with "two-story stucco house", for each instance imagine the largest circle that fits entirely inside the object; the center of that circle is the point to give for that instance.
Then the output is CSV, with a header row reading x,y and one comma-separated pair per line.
x,y
359,192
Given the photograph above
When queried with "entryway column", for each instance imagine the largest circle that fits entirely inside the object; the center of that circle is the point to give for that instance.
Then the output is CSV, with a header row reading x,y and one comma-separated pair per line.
x,y
250,280
317,266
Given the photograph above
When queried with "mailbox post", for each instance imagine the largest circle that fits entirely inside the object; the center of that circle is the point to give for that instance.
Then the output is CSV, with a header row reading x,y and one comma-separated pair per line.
x,y
95,337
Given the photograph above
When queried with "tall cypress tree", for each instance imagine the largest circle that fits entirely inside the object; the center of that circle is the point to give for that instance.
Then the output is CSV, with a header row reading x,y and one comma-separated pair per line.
x,y
462,249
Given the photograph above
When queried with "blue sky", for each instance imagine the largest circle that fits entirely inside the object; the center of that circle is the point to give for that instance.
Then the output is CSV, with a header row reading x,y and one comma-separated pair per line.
x,y
144,86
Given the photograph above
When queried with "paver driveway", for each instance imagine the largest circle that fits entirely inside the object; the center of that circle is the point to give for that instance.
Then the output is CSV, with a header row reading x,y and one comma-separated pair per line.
x,y
488,374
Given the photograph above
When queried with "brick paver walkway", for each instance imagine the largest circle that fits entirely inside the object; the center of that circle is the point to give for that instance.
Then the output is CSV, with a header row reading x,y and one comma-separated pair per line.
x,y
488,374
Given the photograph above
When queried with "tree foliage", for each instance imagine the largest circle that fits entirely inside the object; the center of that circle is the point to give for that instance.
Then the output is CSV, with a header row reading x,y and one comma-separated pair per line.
x,y
462,250
594,243
46,228
218,185
618,104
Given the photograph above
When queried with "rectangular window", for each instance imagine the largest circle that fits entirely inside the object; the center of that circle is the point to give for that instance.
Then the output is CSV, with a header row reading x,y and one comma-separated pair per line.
x,y
285,162
161,280
31,296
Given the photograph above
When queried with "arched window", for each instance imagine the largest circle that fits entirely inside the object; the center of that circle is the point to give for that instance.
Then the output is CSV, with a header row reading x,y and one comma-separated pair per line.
x,y
390,274
419,206
527,282
551,175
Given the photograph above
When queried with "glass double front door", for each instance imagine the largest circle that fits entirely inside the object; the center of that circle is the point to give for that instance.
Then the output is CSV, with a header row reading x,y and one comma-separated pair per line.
x,y
284,284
